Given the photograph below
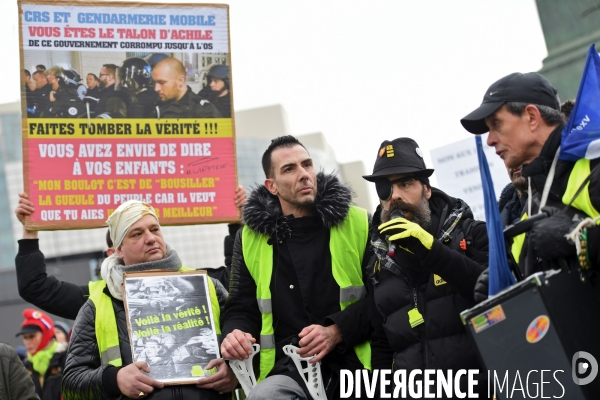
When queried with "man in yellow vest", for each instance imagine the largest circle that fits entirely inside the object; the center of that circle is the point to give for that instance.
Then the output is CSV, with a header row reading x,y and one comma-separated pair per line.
x,y
522,113
99,364
297,275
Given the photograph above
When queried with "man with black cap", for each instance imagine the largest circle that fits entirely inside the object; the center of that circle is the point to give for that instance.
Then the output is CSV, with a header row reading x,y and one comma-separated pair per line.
x,y
523,117
429,253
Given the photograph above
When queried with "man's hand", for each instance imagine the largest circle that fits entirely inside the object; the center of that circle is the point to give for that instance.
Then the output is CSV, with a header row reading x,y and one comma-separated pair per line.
x,y
240,197
235,345
132,382
409,236
548,235
318,340
24,209
224,381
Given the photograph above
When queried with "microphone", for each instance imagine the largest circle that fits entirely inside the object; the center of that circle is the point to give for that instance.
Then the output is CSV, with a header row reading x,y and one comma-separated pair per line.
x,y
397,213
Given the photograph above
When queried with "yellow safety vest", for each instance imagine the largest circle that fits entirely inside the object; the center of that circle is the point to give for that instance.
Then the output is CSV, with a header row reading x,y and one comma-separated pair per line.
x,y
347,246
107,334
583,202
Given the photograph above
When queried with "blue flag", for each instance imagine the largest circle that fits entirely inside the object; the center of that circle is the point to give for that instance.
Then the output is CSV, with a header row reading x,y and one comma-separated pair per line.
x,y
581,136
500,275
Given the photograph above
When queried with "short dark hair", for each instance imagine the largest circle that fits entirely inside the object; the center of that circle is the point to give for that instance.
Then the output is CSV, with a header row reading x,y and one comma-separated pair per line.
x,y
551,116
94,75
109,242
280,142
27,73
40,67
39,73
566,108
111,68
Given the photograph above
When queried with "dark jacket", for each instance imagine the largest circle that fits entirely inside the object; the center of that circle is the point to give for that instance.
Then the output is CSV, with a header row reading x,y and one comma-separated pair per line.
x,y
223,104
189,106
85,377
303,289
15,383
60,298
66,104
50,390
537,170
41,98
113,103
443,284
511,205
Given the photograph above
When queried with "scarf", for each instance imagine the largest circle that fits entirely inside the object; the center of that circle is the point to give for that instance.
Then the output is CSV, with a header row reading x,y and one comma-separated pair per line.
x,y
41,360
112,269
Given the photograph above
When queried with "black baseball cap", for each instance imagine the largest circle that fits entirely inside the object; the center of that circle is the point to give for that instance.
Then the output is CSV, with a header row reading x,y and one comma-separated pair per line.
x,y
28,329
531,88
399,156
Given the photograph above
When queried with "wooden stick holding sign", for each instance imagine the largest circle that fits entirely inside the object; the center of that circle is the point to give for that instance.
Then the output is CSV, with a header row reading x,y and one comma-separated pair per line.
x,y
171,324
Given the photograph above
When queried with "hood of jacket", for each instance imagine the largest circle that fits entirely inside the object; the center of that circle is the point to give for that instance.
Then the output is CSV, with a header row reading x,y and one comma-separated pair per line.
x,y
331,205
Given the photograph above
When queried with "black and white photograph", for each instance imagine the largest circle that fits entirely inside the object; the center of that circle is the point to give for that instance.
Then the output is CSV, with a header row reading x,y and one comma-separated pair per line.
x,y
171,324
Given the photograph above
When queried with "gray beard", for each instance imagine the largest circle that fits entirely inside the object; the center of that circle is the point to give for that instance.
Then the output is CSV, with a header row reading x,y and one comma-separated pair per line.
x,y
420,212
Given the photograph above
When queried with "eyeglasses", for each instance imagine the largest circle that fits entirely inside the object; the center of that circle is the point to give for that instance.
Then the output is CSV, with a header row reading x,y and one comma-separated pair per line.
x,y
101,75
385,187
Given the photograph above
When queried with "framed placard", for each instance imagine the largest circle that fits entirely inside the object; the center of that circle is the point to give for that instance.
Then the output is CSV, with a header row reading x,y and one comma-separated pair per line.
x,y
125,110
171,324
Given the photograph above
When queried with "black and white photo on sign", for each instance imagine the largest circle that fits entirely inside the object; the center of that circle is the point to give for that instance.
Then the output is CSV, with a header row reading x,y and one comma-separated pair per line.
x,y
171,324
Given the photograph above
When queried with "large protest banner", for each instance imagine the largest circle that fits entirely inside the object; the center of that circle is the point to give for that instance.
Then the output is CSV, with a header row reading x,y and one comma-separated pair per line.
x,y
171,323
159,129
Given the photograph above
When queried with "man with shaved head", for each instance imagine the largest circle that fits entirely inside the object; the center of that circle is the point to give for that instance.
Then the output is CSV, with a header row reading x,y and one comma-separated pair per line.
x,y
176,99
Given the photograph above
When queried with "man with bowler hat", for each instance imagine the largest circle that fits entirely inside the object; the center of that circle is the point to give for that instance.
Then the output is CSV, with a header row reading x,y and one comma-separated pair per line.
x,y
429,253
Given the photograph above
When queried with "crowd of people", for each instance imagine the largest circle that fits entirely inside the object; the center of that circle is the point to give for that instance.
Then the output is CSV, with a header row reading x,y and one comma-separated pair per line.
x,y
150,87
351,289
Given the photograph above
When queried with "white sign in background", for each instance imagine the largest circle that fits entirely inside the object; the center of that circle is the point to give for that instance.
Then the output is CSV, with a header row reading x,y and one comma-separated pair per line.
x,y
457,172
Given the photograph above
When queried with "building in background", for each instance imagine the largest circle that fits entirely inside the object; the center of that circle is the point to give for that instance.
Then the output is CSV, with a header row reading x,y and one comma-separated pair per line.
x,y
570,27
73,255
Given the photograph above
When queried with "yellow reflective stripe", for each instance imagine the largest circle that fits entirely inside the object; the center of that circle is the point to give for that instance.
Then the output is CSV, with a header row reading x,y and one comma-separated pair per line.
x,y
518,241
267,342
583,202
264,305
352,294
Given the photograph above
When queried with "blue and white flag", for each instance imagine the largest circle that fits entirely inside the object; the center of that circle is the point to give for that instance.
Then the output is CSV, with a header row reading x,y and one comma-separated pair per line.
x,y
500,275
581,136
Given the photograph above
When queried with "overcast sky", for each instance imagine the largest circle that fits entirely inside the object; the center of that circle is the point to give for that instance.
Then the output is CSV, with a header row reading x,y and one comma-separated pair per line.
x,y
361,72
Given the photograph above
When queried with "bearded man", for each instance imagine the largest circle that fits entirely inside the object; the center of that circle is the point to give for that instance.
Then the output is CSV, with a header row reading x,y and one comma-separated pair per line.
x,y
428,254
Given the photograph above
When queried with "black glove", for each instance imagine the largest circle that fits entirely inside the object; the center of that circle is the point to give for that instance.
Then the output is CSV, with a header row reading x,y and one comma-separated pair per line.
x,y
482,286
547,236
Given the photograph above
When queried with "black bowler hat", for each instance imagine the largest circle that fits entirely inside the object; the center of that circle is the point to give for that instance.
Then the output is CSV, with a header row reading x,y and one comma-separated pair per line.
x,y
399,156
531,88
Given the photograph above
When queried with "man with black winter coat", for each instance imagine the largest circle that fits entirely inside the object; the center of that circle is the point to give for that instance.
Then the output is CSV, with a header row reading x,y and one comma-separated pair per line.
x,y
429,253
294,276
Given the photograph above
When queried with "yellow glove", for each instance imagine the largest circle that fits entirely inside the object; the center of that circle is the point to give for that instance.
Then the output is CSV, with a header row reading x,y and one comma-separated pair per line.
x,y
408,235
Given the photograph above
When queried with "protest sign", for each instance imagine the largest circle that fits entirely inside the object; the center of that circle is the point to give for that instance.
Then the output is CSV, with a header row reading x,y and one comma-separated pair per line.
x,y
171,324
158,128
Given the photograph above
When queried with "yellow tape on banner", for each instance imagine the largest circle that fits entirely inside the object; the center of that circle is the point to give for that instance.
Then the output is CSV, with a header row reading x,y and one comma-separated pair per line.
x,y
67,128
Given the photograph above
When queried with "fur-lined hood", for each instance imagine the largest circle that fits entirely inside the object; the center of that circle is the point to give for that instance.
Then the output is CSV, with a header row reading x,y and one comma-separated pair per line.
x,y
331,204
